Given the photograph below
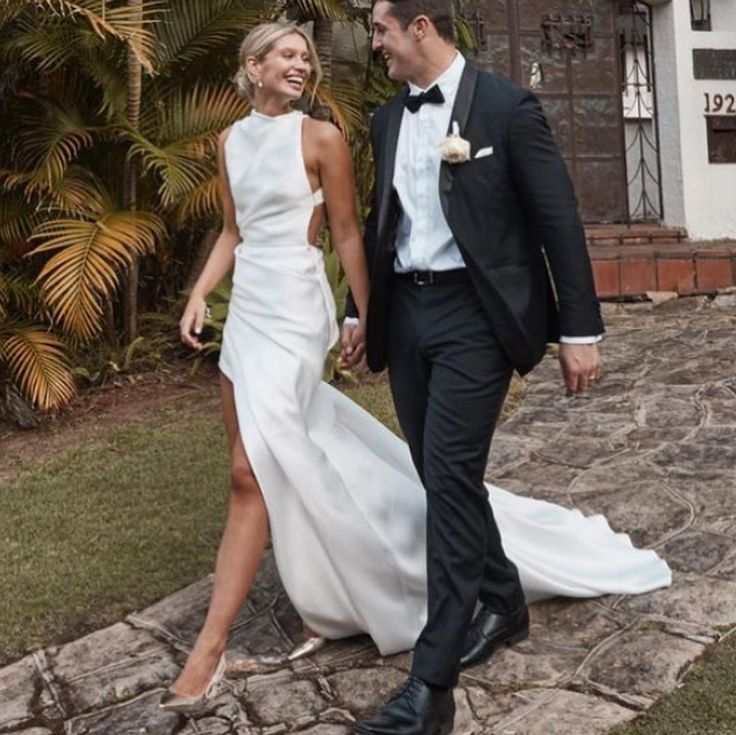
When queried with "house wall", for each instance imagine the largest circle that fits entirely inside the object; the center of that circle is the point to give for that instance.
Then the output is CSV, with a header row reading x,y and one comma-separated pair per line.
x,y
724,14
698,195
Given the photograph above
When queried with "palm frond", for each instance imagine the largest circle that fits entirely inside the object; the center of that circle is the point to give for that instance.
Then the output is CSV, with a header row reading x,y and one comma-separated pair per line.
x,y
344,105
193,113
49,45
76,190
92,253
180,167
200,202
104,65
18,295
306,10
466,39
50,137
349,99
17,218
129,24
56,45
37,362
9,11
3,298
186,125
193,29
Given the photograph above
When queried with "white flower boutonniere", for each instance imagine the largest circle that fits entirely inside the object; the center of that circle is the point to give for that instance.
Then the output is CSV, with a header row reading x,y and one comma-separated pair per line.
x,y
453,148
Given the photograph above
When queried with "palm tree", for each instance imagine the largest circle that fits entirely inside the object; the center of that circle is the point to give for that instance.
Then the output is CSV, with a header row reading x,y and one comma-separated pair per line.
x,y
73,122
40,140
133,115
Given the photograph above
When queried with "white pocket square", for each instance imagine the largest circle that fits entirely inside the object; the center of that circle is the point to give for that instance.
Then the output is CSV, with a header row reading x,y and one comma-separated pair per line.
x,y
483,152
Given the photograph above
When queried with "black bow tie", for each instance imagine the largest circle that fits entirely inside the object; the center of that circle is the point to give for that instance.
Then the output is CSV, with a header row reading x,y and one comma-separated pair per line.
x,y
433,96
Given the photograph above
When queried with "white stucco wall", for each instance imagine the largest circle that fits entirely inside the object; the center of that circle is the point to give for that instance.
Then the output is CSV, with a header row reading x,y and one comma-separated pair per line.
x,y
698,195
668,114
723,13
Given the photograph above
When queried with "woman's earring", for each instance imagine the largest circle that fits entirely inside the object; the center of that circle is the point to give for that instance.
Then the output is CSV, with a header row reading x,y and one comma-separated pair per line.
x,y
260,84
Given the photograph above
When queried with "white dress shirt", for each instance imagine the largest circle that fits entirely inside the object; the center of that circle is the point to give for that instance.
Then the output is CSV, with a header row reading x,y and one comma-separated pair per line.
x,y
424,240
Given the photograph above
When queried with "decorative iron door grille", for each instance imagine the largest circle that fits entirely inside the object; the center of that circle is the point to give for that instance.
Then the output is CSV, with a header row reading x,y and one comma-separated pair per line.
x,y
644,178
568,52
570,34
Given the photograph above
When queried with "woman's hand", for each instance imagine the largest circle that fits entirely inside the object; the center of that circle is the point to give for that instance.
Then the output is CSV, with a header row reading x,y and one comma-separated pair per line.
x,y
353,344
192,321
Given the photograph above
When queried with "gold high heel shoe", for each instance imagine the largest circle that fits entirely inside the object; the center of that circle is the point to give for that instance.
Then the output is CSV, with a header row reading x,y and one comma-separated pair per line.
x,y
173,702
307,647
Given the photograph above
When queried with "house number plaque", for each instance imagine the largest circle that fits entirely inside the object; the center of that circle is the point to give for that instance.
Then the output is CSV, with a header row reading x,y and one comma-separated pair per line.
x,y
725,104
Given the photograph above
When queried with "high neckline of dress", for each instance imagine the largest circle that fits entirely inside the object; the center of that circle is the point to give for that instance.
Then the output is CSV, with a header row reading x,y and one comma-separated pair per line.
x,y
274,118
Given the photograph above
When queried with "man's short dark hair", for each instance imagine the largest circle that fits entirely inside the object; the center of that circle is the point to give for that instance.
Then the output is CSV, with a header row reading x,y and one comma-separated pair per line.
x,y
440,12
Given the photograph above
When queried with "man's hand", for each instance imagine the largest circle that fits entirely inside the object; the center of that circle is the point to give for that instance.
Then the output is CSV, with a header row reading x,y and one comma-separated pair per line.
x,y
353,344
580,365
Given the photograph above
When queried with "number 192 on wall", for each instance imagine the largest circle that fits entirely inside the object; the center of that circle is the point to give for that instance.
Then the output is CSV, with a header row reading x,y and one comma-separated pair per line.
x,y
720,103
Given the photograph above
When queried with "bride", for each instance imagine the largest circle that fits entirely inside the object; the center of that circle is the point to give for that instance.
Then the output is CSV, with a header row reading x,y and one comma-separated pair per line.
x,y
344,504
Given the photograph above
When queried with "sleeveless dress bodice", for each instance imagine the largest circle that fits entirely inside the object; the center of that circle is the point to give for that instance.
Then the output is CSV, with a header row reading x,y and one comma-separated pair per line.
x,y
262,149
346,508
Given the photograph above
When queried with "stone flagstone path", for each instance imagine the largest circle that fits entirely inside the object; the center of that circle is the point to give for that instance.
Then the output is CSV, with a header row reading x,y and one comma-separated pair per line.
x,y
653,448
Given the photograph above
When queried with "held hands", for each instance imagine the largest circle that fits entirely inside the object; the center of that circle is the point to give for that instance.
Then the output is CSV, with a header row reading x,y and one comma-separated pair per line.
x,y
353,344
192,321
580,365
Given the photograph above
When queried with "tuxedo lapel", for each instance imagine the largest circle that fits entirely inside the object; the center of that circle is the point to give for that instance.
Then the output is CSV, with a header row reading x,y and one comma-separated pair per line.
x,y
460,114
393,126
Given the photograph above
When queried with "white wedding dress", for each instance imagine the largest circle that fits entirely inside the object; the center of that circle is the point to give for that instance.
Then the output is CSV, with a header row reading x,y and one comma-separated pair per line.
x,y
346,508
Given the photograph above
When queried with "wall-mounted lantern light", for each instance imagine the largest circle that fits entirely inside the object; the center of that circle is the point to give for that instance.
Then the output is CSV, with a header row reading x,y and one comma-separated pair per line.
x,y
700,15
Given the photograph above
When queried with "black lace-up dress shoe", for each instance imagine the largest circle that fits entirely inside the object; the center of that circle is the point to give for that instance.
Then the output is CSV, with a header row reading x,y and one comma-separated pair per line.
x,y
489,631
416,709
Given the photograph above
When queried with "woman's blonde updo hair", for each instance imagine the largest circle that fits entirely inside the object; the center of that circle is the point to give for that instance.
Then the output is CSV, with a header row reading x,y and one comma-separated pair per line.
x,y
259,41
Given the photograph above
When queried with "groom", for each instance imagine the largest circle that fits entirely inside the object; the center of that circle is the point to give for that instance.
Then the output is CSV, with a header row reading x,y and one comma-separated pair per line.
x,y
460,255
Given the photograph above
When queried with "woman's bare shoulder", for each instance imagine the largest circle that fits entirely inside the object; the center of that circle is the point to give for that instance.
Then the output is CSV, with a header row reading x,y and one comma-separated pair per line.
x,y
323,132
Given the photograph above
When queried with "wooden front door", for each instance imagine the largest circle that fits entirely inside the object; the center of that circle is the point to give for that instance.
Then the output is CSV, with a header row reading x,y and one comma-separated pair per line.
x,y
568,52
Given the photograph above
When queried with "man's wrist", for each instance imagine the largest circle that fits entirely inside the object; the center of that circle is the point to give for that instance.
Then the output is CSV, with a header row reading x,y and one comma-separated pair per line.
x,y
351,321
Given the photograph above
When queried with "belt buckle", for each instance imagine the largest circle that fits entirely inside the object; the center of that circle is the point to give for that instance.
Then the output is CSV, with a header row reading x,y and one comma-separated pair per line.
x,y
423,278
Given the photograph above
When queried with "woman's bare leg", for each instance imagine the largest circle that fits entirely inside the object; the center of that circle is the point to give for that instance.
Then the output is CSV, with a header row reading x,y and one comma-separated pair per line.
x,y
241,549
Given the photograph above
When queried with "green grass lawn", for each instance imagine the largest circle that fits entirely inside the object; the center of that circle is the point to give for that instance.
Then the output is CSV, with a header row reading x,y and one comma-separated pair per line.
x,y
118,523
103,530
705,705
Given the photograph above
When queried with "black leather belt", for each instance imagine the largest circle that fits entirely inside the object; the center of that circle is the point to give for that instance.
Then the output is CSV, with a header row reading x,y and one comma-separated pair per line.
x,y
431,278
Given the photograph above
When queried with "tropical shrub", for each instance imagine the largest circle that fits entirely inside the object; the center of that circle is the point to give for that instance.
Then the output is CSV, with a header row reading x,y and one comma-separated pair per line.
x,y
110,113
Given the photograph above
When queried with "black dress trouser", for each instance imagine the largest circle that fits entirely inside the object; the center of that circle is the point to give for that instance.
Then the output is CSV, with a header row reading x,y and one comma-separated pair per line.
x,y
449,378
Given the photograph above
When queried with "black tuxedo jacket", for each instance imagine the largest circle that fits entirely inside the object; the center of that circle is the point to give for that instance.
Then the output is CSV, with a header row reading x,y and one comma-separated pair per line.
x,y
513,214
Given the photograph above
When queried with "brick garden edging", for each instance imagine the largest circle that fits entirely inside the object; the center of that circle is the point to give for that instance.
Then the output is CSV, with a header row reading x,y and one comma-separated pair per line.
x,y
631,266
